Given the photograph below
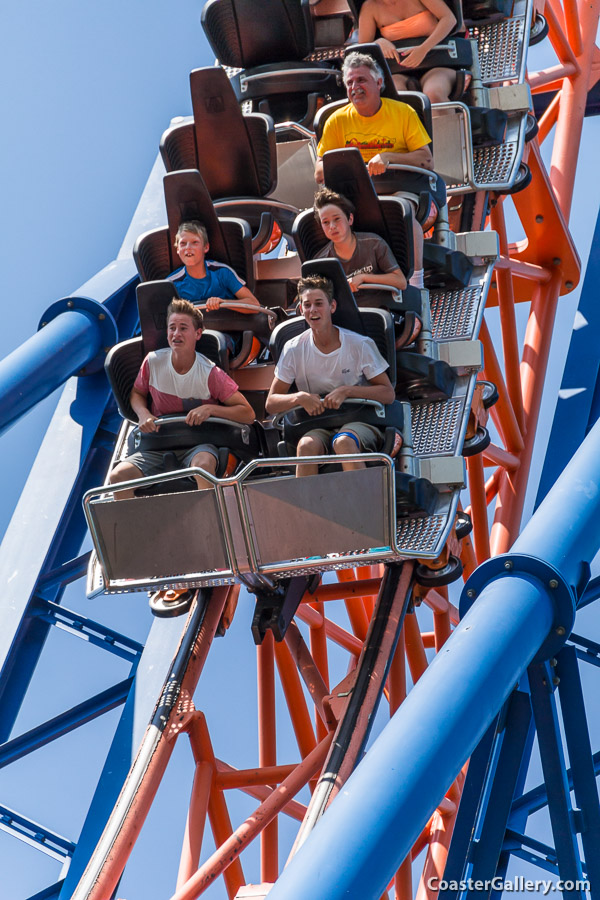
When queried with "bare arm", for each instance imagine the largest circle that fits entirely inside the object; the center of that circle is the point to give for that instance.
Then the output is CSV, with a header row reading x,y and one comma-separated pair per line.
x,y
319,175
367,24
422,158
236,409
280,400
139,404
243,294
394,279
445,24
379,388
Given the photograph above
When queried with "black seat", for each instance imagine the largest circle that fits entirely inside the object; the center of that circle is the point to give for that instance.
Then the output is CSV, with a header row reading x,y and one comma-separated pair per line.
x,y
270,42
235,153
187,197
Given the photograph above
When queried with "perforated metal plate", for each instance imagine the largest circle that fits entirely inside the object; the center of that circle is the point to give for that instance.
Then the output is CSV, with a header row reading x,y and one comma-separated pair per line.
x,y
501,49
454,314
493,165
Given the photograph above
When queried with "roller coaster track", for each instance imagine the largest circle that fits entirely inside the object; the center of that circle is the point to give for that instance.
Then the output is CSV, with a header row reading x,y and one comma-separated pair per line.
x,y
361,648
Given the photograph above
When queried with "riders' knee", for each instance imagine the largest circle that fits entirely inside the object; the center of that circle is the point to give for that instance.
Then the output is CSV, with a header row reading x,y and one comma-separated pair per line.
x,y
309,446
124,472
205,461
345,444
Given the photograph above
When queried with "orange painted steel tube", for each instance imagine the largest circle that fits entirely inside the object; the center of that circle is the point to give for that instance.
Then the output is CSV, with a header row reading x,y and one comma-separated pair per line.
x,y
240,778
196,818
296,700
354,607
572,111
441,629
346,588
478,507
492,485
506,304
335,632
557,37
307,668
415,652
436,601
573,26
428,638
319,651
547,79
510,428
293,809
397,676
547,122
267,748
228,852
496,456
527,270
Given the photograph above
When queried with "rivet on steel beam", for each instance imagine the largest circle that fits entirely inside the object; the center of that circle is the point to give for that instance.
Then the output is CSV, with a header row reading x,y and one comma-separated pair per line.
x,y
70,304
553,583
556,680
539,219
102,316
470,593
508,564
561,629
557,261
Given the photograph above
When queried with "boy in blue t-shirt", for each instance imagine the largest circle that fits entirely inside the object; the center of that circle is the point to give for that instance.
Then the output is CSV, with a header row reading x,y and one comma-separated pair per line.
x,y
204,280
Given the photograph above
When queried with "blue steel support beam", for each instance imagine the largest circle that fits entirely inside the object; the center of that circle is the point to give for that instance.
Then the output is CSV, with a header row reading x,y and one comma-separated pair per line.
x,y
553,766
370,827
580,754
577,403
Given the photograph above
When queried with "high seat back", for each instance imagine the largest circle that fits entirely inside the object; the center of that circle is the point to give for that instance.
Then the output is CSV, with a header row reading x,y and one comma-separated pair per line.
x,y
235,153
187,197
389,217
243,35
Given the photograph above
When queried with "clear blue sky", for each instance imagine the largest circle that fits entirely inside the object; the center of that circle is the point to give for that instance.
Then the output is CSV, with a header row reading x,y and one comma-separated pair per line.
x,y
89,88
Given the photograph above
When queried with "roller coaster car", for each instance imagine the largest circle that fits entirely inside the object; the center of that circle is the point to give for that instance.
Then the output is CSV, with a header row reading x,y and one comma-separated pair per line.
x,y
235,153
271,48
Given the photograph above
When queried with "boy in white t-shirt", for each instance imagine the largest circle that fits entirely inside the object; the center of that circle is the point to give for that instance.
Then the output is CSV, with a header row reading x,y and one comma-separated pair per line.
x,y
329,365
174,380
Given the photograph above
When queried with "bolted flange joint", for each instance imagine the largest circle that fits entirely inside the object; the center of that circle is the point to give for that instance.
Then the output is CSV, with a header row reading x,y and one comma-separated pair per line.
x,y
559,592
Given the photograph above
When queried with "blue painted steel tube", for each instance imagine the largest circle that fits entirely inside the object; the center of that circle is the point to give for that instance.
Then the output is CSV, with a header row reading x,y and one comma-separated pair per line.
x,y
370,827
45,361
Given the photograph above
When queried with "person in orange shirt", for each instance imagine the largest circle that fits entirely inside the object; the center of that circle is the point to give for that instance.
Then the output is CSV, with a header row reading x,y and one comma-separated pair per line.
x,y
397,20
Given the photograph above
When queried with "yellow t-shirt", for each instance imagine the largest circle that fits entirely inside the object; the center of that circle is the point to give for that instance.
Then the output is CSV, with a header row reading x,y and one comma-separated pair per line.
x,y
395,128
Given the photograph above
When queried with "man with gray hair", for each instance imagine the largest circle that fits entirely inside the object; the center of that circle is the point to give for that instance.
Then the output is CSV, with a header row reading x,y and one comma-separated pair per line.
x,y
385,131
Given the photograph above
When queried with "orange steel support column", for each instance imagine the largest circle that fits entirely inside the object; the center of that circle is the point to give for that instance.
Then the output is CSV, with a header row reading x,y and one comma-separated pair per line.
x,y
267,748
194,826
481,538
355,607
506,303
508,425
318,648
295,698
415,652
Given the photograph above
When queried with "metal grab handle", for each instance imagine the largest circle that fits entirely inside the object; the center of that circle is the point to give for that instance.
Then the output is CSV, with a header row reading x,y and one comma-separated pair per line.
x,y
240,305
356,401
180,420
380,287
